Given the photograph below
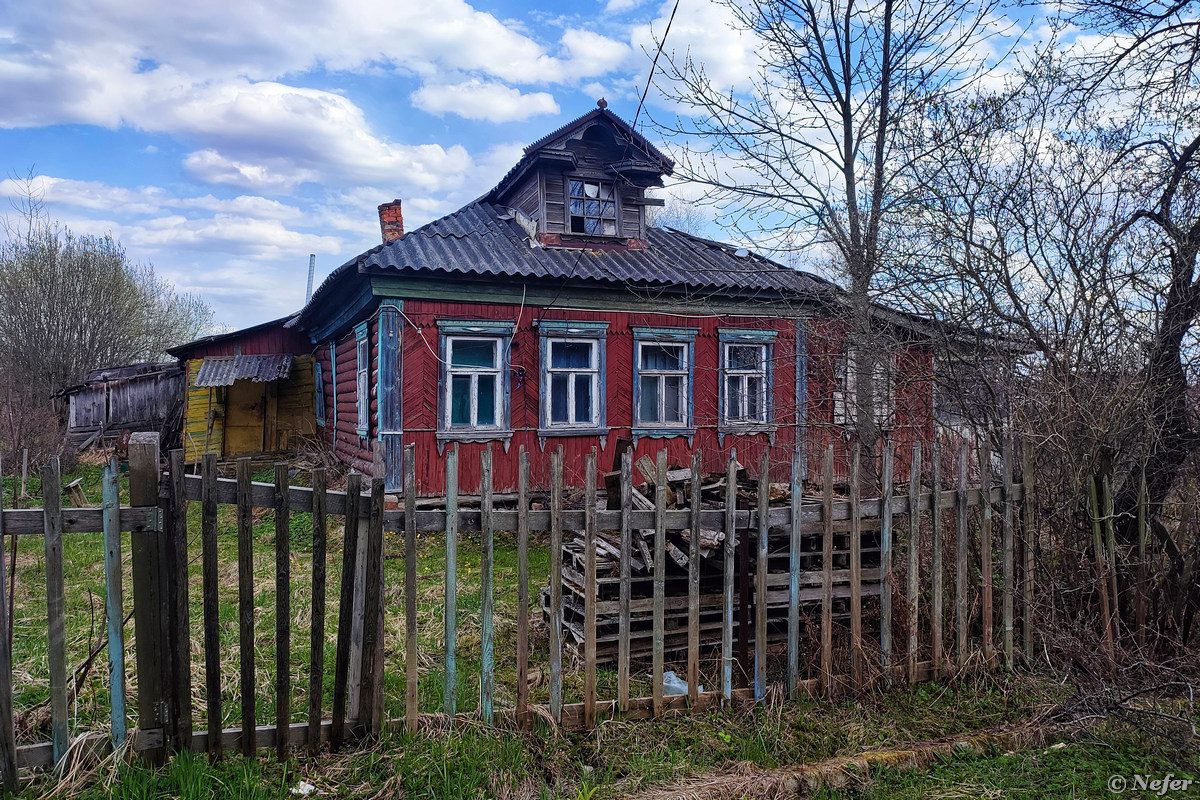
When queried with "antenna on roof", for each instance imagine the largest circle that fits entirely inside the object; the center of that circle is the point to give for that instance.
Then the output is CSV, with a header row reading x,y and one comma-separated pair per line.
x,y
312,267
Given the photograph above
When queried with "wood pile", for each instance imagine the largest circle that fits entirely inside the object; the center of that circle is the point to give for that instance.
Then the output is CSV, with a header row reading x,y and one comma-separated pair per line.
x,y
712,558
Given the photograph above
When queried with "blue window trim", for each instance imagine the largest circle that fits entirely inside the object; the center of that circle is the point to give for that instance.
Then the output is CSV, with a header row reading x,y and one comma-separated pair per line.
x,y
727,336
319,385
484,328
563,329
687,336
333,381
801,436
363,424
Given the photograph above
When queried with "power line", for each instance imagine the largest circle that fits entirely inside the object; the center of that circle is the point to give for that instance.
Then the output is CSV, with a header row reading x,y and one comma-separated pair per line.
x,y
654,64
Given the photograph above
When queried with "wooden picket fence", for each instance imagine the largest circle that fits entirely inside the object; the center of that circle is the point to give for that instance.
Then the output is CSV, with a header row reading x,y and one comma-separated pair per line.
x,y
157,518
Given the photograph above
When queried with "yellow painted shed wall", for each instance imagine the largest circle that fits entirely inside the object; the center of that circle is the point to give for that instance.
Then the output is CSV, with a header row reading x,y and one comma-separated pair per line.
x,y
203,403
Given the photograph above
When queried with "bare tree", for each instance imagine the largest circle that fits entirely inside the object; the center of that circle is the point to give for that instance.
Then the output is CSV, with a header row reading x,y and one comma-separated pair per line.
x,y
73,303
1065,211
813,143
678,215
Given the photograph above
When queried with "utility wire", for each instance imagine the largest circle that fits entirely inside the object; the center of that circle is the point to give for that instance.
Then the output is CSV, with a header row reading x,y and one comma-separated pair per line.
x,y
654,64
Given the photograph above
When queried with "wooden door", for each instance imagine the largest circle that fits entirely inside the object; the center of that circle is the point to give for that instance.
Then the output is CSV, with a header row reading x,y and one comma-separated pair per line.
x,y
245,415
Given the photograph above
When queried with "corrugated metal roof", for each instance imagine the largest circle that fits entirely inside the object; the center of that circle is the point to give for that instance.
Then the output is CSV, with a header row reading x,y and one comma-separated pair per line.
x,y
484,239
224,370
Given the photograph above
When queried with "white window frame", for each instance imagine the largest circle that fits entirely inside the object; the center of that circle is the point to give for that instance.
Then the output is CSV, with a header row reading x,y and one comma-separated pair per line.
x,y
685,388
550,371
474,372
744,376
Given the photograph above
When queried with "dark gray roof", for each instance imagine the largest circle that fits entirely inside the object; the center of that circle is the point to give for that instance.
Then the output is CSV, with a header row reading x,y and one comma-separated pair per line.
x,y
484,239
224,370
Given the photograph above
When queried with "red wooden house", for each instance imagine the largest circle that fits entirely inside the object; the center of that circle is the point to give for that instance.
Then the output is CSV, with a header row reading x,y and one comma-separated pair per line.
x,y
550,313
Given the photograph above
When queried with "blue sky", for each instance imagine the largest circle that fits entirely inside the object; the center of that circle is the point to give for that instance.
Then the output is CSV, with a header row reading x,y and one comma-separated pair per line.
x,y
224,141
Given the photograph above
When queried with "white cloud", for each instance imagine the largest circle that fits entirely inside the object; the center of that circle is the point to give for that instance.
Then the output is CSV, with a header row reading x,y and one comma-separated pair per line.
x,y
477,99
619,6
706,33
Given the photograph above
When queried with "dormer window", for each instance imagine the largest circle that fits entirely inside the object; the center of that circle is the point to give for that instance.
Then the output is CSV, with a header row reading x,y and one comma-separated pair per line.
x,y
593,206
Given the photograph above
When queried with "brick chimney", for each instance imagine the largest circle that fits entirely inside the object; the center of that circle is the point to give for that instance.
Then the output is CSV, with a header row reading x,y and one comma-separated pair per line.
x,y
391,221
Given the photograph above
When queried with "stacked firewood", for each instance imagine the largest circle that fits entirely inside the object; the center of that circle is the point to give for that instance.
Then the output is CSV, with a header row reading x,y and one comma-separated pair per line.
x,y
712,558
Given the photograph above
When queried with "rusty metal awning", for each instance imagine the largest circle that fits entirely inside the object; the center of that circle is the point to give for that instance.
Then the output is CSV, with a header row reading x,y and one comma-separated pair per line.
x,y
224,370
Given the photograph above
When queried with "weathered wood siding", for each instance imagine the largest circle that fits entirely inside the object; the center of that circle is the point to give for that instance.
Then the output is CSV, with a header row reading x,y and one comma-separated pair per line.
x,y
88,409
204,403
342,435
275,339
249,418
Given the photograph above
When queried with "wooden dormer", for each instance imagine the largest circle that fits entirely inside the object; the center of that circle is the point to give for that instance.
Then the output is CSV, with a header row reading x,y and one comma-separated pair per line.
x,y
585,184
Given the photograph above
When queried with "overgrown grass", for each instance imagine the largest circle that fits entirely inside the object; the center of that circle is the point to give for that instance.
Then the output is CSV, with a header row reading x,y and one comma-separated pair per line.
x,y
616,760
1079,769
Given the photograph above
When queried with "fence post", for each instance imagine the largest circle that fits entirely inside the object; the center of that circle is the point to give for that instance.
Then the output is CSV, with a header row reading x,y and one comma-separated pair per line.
x,y
1028,534
885,564
210,595
175,535
961,572
148,554
55,610
114,600
8,740
914,560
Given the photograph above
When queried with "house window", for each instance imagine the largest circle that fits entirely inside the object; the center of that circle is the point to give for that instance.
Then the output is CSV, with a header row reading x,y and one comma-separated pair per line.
x,y
572,377
593,206
319,388
473,385
362,393
662,389
574,383
745,384
845,405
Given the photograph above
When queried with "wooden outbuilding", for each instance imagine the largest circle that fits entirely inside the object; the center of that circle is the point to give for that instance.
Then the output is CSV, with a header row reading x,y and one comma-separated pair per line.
x,y
248,393
133,398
